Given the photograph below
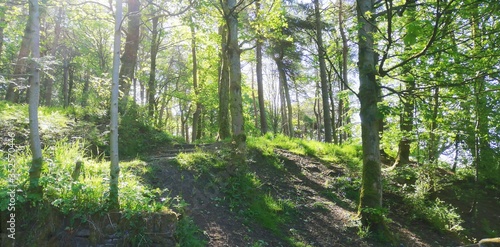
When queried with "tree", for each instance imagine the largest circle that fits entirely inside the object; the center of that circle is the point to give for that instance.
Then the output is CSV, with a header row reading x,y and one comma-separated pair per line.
x,y
322,71
235,99
258,69
155,43
12,94
370,202
115,166
35,145
197,112
223,117
129,57
406,117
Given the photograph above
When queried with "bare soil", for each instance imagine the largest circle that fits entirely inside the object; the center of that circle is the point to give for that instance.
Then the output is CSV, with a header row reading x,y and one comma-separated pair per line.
x,y
324,217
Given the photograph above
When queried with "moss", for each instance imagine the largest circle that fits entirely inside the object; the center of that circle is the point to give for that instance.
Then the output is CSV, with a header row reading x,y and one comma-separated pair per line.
x,y
35,190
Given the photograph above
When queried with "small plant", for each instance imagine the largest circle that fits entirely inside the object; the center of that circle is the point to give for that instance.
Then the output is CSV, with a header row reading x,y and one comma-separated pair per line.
x,y
188,234
364,231
260,243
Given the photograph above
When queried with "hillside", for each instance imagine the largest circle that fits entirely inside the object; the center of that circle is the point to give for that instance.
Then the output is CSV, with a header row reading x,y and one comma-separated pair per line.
x,y
293,193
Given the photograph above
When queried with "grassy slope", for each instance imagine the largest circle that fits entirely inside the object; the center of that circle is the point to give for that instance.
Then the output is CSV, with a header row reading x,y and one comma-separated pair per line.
x,y
419,197
69,138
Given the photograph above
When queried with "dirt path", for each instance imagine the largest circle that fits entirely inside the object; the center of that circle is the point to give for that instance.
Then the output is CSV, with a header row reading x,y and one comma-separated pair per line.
x,y
212,215
324,215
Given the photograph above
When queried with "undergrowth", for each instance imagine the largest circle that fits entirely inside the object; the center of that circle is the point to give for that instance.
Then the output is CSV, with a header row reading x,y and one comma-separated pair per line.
x,y
349,155
77,192
416,185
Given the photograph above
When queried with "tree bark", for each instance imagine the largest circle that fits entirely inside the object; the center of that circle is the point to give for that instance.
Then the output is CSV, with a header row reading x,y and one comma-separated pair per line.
x,y
49,82
35,145
287,102
406,117
236,103
18,78
197,112
85,91
65,88
254,102
342,109
322,71
432,132
129,57
114,202
152,71
370,202
260,87
223,117
2,20
71,83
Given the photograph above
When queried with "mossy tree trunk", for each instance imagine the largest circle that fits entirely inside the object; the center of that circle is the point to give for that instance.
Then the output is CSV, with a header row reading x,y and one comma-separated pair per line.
x,y
224,129
235,98
370,203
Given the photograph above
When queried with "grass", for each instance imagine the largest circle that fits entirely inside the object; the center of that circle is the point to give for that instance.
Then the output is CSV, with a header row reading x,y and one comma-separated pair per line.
x,y
349,154
78,197
243,192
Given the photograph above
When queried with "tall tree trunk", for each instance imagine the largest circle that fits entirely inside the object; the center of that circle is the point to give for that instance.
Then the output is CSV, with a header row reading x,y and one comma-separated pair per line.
x,y
129,57
18,77
317,112
432,131
197,112
322,71
2,20
287,102
258,69
342,109
183,132
49,82
114,202
35,145
223,117
71,83
85,91
299,113
370,201
236,103
65,87
284,121
152,71
332,112
254,102
406,117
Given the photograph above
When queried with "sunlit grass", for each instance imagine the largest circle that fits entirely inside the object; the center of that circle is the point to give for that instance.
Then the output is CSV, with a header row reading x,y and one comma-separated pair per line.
x,y
349,155
87,193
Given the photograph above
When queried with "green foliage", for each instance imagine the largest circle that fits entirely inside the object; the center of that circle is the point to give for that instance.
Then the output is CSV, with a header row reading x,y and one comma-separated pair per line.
x,y
86,195
200,162
137,134
349,154
416,184
271,213
187,233
346,187
54,124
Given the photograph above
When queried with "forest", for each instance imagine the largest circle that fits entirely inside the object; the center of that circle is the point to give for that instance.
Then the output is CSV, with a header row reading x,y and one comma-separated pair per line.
x,y
250,123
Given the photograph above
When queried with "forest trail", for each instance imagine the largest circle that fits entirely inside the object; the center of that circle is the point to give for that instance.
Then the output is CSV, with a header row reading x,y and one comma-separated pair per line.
x,y
324,215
